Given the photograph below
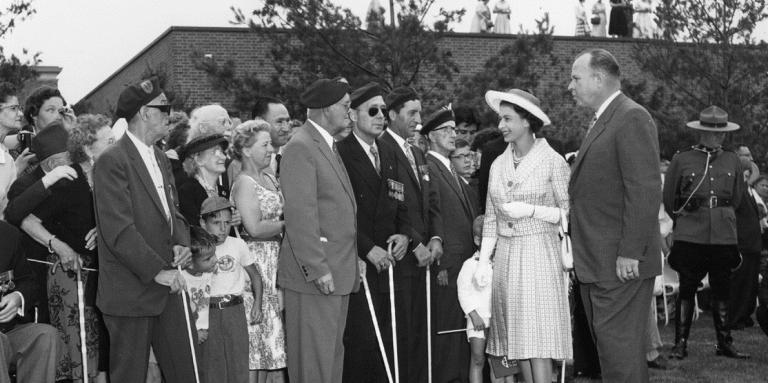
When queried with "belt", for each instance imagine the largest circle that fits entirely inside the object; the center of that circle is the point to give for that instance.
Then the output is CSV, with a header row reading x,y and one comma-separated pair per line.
x,y
222,301
713,202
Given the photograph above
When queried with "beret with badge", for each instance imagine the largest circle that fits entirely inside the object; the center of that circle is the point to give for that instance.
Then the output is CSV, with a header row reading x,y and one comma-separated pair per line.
x,y
365,93
399,96
51,140
324,93
438,120
133,97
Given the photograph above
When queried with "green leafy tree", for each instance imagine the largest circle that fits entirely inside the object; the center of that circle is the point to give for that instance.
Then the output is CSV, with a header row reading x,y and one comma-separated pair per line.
x,y
326,40
706,54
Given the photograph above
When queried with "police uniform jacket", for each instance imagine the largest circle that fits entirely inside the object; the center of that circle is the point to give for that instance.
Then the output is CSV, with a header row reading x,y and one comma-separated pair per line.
x,y
709,216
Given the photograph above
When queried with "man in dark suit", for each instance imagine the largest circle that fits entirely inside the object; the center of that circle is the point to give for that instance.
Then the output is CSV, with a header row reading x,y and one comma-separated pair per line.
x,y
34,348
381,218
615,193
318,258
141,238
404,113
457,213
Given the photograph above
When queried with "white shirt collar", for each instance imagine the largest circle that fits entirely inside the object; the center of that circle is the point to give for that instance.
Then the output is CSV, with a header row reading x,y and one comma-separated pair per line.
x,y
445,161
140,145
367,148
605,104
326,136
400,140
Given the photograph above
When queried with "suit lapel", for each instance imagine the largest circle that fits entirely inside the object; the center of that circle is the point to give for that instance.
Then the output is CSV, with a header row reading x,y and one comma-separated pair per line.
x,y
600,125
137,163
402,158
363,163
448,177
332,158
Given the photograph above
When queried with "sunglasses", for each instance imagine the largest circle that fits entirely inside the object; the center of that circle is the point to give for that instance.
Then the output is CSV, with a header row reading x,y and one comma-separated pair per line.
x,y
374,111
162,108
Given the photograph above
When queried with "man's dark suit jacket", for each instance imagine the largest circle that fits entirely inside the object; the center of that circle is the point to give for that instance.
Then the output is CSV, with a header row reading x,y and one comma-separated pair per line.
x,y
457,212
615,191
12,258
135,238
421,199
491,150
379,215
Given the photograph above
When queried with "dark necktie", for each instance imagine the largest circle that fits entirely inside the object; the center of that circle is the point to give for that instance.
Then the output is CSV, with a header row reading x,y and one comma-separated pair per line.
x,y
278,157
376,160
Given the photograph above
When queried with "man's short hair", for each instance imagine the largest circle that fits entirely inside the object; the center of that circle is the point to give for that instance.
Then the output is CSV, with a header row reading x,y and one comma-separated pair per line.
x,y
201,242
603,61
261,107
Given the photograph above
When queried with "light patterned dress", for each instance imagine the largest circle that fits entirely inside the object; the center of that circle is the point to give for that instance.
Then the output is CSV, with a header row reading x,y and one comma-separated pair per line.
x,y
530,316
266,339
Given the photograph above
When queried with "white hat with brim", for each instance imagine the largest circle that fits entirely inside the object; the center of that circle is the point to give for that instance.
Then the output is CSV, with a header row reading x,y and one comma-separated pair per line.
x,y
713,119
517,97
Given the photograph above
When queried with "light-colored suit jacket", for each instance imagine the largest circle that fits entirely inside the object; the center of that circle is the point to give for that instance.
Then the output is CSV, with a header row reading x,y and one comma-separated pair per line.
x,y
320,225
615,191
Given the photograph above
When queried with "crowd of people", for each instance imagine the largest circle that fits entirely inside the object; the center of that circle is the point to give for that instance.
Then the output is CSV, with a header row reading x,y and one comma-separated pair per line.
x,y
365,245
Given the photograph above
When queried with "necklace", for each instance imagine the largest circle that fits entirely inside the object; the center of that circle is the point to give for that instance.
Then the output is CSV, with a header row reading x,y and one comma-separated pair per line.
x,y
515,159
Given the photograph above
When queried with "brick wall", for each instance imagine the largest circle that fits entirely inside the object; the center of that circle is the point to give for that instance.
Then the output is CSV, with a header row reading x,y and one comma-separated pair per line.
x,y
250,52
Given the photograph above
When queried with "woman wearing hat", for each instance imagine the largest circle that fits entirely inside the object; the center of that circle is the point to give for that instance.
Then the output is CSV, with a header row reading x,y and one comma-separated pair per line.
x,y
207,163
703,187
527,190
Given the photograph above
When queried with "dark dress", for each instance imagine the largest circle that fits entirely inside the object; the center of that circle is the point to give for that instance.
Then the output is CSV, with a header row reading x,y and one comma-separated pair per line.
x,y
618,22
68,214
191,197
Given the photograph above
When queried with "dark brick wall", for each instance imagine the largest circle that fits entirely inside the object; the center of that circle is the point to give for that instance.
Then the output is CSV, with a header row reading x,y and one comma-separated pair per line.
x,y
250,52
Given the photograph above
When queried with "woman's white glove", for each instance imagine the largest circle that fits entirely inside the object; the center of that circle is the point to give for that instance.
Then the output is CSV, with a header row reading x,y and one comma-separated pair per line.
x,y
484,272
517,209
547,214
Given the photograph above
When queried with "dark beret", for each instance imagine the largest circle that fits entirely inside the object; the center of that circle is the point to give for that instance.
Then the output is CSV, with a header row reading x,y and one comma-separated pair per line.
x,y
324,93
437,119
199,144
135,96
399,96
51,140
365,93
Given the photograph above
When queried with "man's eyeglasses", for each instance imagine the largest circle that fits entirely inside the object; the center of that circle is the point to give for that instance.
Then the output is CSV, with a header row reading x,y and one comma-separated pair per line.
x,y
162,108
374,111
465,156
14,107
447,129
464,131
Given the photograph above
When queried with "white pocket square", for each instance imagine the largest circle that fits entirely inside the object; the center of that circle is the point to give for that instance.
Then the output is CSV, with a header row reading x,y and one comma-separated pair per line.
x,y
323,239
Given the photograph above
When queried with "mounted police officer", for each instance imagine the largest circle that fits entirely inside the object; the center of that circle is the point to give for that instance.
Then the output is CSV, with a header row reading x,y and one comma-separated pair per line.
x,y
704,185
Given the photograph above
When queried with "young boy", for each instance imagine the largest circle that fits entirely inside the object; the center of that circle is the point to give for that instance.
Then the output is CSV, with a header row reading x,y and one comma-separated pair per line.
x,y
198,276
225,351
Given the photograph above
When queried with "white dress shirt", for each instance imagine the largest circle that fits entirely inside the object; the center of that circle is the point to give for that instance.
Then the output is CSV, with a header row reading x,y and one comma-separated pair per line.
x,y
605,104
367,149
326,136
147,154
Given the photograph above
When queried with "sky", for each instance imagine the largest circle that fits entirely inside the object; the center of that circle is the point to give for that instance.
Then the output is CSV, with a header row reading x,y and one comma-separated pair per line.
x,y
91,39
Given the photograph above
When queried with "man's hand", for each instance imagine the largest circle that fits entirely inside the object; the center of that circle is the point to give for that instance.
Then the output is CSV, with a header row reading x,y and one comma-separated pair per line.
x,y
400,245
90,239
436,249
442,278
325,284
477,322
9,307
172,279
202,336
23,160
423,256
181,256
627,269
379,258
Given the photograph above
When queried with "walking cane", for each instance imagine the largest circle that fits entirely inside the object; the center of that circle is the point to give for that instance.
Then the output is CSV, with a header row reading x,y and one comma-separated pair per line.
x,y
189,327
391,273
429,325
81,312
375,320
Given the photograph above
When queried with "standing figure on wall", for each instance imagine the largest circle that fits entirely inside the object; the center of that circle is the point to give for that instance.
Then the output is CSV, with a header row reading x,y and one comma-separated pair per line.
x,y
502,11
598,14
481,20
644,25
582,23
618,25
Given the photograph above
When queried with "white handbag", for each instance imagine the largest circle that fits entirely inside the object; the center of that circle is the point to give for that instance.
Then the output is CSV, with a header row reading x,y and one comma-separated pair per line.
x,y
566,250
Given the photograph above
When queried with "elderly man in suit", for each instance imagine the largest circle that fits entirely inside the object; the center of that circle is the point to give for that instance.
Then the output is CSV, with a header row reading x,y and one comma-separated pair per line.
x,y
615,193
142,238
382,218
318,258
457,213
404,113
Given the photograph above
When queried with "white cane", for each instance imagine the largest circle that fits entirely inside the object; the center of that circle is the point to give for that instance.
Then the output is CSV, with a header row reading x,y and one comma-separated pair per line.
x,y
429,325
189,326
375,321
391,272
81,312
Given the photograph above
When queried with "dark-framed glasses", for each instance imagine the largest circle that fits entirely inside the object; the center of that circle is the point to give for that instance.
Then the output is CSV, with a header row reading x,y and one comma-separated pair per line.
x,y
14,107
464,156
374,111
164,108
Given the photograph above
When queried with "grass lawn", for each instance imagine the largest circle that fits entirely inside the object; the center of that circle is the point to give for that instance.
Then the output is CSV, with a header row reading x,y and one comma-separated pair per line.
x,y
702,366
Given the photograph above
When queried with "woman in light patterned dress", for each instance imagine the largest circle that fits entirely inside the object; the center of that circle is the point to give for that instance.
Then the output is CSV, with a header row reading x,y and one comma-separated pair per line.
x,y
528,187
256,194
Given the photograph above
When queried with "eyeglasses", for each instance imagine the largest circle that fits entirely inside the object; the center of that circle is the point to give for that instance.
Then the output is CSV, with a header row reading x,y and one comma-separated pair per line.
x,y
14,107
374,111
465,156
447,128
166,108
464,131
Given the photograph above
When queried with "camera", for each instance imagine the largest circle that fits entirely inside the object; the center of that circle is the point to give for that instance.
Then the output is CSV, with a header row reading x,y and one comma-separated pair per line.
x,y
25,139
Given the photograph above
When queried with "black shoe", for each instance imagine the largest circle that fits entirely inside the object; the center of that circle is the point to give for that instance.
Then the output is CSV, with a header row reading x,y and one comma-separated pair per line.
x,y
724,340
680,350
657,363
729,351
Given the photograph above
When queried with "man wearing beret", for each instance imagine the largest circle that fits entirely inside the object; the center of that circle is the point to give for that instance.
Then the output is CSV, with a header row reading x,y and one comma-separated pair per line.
x,y
317,267
457,213
382,218
142,238
422,200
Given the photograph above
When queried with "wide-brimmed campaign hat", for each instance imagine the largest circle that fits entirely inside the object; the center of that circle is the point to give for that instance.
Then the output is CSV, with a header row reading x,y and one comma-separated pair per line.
x,y
517,97
713,119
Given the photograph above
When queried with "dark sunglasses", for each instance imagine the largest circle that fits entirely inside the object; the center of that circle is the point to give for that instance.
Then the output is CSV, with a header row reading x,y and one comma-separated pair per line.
x,y
162,108
374,111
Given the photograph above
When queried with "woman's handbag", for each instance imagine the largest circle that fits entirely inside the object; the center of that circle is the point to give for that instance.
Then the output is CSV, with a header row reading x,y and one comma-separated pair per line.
x,y
501,366
566,253
595,20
